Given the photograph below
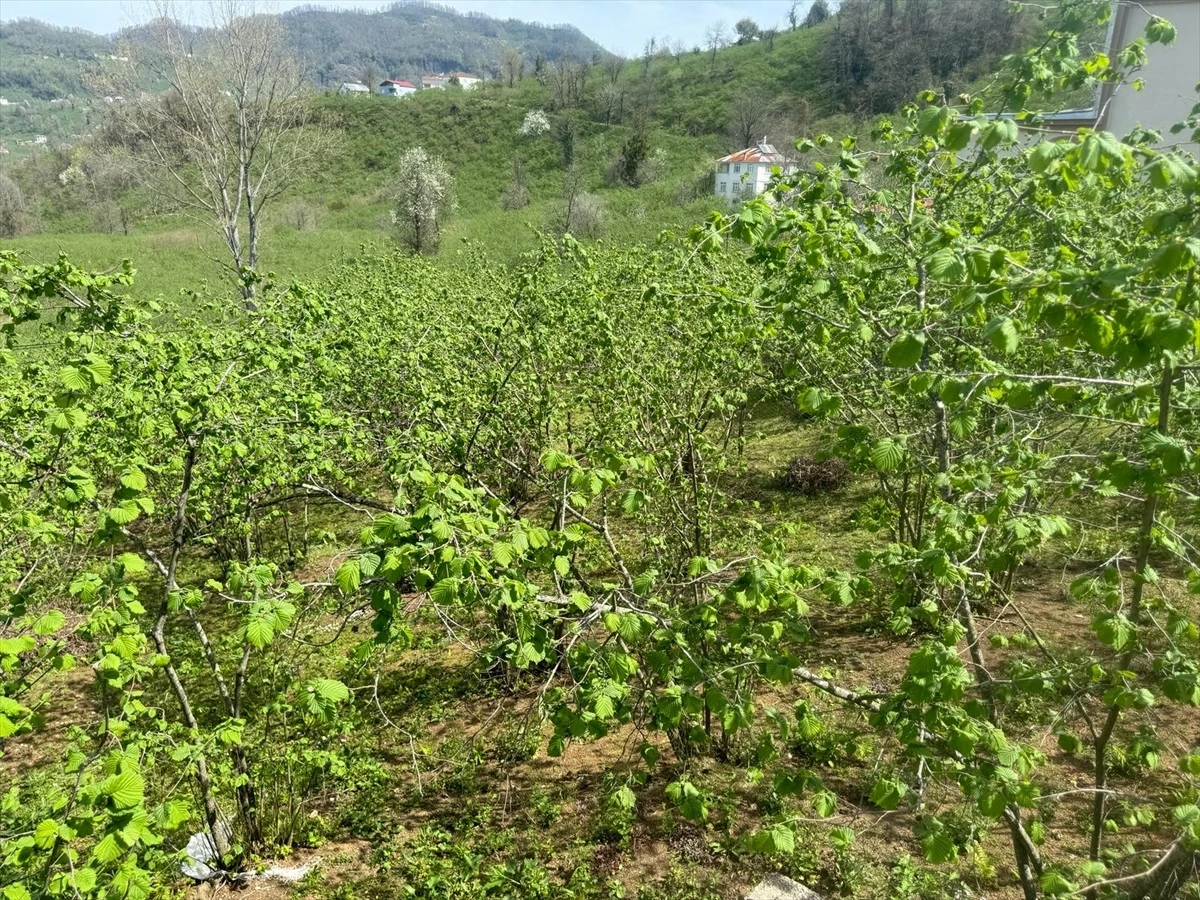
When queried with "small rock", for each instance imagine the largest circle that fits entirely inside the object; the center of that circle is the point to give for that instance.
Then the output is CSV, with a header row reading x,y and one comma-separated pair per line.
x,y
780,887
289,873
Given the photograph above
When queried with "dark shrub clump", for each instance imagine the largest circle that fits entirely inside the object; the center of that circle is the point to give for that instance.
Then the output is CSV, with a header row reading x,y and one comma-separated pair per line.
x,y
809,476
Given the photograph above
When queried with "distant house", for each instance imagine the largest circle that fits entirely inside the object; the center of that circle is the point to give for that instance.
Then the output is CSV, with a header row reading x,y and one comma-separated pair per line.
x,y
392,88
353,87
747,172
441,80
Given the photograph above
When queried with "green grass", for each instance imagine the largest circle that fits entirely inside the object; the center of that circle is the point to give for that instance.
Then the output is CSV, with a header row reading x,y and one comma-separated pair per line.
x,y
347,201
168,262
694,92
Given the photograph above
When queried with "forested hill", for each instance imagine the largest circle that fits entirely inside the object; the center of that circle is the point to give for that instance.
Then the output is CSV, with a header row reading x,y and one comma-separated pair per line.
x,y
869,59
406,39
44,62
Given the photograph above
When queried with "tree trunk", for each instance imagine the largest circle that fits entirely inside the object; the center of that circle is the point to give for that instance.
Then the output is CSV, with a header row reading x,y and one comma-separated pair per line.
x,y
1145,535
212,814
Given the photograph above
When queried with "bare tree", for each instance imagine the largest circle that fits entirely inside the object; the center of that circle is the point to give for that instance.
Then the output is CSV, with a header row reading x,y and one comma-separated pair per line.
x,y
611,99
370,76
715,38
648,53
232,131
512,66
578,213
613,67
566,82
516,195
752,116
793,16
768,37
12,207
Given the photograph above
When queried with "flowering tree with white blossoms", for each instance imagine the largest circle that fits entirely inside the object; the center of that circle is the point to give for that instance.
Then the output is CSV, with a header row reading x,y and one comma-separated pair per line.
x,y
423,197
536,122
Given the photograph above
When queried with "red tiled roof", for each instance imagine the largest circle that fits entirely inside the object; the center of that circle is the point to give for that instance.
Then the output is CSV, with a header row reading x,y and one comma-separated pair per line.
x,y
752,155
397,83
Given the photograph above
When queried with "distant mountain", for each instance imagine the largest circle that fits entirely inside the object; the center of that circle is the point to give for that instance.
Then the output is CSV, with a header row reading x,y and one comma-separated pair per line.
x,y
413,38
406,39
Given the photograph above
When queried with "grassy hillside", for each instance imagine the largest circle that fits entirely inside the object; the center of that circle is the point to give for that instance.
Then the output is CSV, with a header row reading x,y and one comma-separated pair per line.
x,y
331,215
860,63
476,132
694,91
683,102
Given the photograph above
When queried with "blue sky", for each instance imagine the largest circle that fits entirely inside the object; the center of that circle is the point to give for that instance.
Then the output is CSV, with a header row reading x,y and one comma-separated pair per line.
x,y
620,25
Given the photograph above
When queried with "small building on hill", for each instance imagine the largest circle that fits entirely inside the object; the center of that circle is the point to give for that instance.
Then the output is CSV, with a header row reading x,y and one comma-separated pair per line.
x,y
747,172
442,80
392,88
353,87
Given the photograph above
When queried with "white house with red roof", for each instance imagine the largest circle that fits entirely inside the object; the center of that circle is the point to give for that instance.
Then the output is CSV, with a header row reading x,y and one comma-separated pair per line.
x,y
392,88
747,172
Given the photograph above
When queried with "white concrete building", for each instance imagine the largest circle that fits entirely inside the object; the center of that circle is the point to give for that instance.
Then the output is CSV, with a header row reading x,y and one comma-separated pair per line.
x,y
747,172
392,88
1170,75
353,87
465,79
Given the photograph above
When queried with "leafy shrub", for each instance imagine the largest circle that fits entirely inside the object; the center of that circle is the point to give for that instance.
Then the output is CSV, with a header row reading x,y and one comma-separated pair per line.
x,y
810,476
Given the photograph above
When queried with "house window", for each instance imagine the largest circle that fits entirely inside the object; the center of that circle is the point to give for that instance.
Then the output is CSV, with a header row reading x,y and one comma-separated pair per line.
x,y
721,187
723,168
737,167
737,189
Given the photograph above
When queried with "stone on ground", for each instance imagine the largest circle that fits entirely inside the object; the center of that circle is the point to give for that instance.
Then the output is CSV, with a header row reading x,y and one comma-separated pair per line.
x,y
780,887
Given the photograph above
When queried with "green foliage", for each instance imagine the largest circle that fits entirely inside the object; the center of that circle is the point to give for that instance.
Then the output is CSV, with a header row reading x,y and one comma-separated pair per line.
x,y
926,385
544,462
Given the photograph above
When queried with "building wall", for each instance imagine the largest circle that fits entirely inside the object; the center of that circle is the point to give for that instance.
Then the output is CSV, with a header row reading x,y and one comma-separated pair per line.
x,y
749,180
1171,72
752,180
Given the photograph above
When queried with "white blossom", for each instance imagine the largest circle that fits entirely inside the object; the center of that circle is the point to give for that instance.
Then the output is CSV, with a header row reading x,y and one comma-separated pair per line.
x,y
423,194
536,122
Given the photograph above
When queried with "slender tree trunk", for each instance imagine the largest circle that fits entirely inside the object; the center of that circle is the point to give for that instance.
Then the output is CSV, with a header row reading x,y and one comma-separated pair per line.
x,y
1145,536
1024,851
212,813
